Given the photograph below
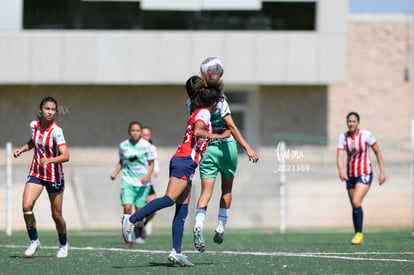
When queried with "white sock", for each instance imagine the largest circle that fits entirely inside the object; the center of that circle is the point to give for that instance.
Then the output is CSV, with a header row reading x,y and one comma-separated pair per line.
x,y
200,218
222,218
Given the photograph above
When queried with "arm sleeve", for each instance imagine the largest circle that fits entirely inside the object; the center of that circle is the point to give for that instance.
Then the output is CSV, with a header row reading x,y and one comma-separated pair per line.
x,y
224,108
156,163
150,152
203,115
121,153
32,128
341,142
371,139
59,137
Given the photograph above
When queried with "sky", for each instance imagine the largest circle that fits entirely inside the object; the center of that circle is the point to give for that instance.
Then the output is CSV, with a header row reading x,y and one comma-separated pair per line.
x,y
381,6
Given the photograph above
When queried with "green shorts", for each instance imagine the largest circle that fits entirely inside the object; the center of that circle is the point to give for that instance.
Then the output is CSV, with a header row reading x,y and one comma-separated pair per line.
x,y
219,157
134,195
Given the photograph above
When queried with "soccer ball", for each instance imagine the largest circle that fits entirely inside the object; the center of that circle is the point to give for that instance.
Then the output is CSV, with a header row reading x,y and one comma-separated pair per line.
x,y
212,66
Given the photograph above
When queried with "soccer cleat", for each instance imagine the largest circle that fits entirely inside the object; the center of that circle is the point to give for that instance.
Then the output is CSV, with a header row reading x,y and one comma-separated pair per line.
x,y
218,236
31,250
358,238
127,245
179,258
63,251
139,240
127,227
199,243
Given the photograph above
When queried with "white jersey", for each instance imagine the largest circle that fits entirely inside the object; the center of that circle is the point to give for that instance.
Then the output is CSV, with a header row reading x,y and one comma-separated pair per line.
x,y
357,149
135,159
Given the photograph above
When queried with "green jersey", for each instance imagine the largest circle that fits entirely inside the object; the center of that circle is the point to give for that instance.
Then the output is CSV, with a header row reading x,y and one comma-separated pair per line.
x,y
135,159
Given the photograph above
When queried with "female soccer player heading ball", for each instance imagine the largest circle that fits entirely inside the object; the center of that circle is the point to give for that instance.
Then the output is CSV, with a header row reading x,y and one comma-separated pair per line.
x,y
220,156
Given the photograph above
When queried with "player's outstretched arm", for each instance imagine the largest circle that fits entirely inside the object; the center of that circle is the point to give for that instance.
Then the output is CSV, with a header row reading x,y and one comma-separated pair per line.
x,y
239,138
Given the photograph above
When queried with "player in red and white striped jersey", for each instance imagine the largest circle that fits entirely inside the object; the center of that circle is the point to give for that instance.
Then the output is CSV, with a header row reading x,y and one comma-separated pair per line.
x,y
46,143
358,176
50,152
182,168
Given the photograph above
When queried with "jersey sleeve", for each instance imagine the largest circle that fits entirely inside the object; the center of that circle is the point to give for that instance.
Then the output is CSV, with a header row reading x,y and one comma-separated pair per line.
x,y
188,104
371,139
204,116
32,126
156,163
150,152
59,137
224,108
121,152
341,142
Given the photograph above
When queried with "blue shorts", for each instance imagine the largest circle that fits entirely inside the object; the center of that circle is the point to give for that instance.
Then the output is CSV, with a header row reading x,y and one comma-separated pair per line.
x,y
51,187
365,179
183,168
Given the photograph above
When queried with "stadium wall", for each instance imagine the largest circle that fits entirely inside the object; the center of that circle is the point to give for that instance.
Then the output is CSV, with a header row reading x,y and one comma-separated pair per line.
x,y
378,59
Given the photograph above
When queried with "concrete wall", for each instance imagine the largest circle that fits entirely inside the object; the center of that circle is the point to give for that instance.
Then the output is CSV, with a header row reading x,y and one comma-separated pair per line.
x,y
168,57
70,57
96,115
379,79
378,54
93,116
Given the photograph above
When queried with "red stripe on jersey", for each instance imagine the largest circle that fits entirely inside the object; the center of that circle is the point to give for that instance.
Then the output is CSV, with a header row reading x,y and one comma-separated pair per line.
x,y
357,147
360,156
46,147
192,145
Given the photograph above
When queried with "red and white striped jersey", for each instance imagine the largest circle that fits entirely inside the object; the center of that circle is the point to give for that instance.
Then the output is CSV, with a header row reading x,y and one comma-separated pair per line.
x,y
46,144
357,149
195,146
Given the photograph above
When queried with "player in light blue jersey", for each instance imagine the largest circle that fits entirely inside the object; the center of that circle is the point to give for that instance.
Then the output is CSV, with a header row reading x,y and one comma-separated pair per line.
x,y
136,161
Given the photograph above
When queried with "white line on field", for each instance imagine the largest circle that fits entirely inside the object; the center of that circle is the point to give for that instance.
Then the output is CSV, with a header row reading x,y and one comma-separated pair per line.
x,y
330,255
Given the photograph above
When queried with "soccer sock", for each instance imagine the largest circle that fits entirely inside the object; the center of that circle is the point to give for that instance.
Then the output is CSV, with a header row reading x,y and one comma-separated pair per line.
x,y
63,238
137,231
151,207
181,212
32,231
200,217
358,217
222,217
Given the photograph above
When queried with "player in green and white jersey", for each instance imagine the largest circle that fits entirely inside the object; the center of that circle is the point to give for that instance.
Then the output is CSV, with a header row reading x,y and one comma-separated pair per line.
x,y
136,161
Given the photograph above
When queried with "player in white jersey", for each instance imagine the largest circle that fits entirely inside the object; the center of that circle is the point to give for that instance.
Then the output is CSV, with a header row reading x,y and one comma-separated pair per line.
x,y
147,135
358,176
136,161
50,152
220,156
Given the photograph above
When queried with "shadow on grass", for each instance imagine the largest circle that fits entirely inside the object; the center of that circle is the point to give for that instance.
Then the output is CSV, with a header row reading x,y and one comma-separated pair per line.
x,y
156,264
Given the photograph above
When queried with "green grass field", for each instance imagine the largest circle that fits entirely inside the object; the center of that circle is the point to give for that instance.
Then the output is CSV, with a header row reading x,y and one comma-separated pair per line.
x,y
243,252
